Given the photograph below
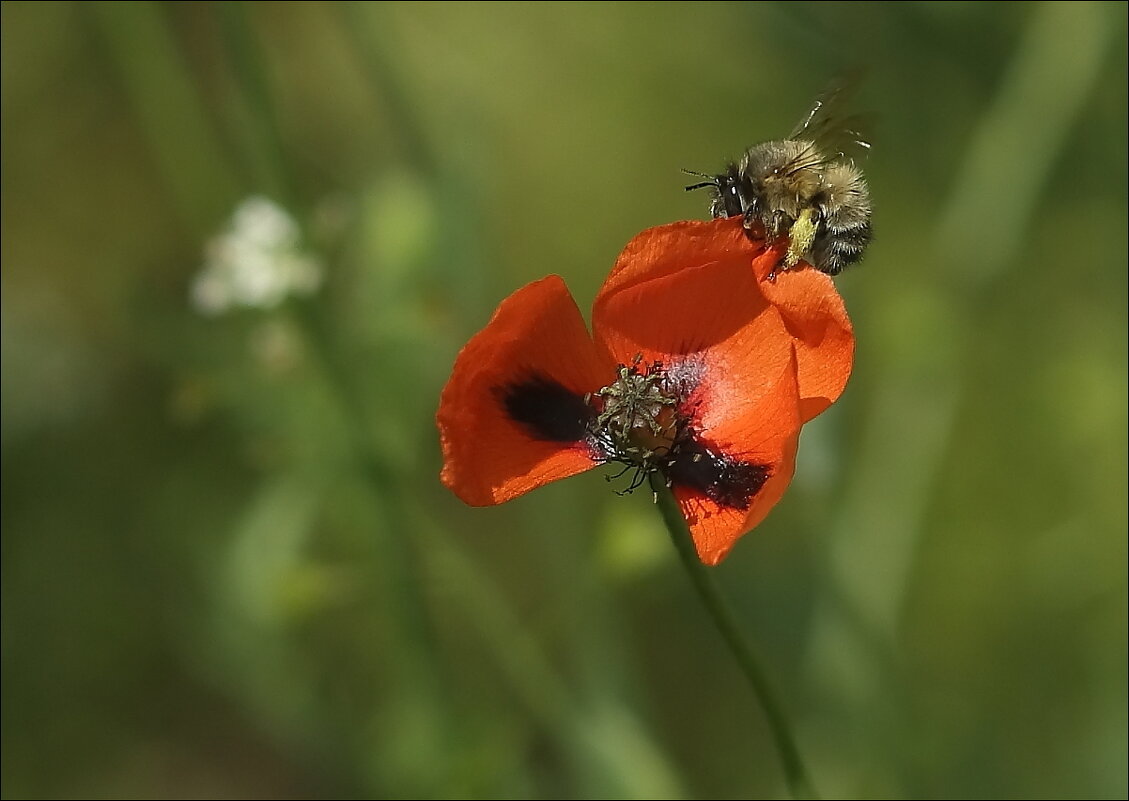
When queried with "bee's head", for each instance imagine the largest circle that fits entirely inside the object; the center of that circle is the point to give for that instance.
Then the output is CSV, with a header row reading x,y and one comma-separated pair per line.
x,y
728,200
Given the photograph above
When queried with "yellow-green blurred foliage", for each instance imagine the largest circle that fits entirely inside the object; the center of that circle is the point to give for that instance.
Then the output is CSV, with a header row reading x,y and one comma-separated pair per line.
x,y
229,568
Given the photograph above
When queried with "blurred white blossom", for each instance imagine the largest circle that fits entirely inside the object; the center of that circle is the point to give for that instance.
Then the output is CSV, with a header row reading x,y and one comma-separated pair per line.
x,y
257,262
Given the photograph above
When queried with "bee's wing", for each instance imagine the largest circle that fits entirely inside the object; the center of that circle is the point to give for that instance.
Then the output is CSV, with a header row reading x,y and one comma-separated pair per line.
x,y
835,130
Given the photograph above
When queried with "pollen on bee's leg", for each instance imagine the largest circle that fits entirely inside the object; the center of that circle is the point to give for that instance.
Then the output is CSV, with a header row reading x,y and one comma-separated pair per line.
x,y
802,237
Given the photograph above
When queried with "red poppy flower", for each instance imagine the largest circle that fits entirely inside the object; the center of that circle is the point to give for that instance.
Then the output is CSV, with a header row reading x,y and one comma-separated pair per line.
x,y
698,368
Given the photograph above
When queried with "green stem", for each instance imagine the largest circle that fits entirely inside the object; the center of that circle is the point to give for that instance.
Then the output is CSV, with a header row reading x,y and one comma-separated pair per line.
x,y
795,774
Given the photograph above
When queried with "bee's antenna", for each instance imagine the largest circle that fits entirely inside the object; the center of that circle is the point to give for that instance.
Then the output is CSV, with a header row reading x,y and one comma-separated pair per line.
x,y
711,180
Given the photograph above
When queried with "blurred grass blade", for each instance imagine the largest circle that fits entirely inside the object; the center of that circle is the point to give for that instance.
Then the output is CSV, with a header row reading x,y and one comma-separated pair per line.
x,y
169,110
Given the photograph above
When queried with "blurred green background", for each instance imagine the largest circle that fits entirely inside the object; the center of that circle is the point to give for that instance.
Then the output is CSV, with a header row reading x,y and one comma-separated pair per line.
x,y
229,569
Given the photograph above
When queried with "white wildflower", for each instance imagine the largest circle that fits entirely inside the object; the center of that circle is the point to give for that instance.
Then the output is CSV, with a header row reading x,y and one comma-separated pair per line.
x,y
257,262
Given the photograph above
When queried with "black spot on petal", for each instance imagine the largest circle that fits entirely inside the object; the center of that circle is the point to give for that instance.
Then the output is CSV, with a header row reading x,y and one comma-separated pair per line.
x,y
725,481
546,409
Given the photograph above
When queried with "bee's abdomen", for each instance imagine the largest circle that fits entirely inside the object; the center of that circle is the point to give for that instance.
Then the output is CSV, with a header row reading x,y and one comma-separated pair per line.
x,y
845,213
839,247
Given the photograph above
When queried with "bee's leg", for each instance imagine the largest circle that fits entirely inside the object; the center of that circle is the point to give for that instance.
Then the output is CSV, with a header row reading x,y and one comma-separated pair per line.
x,y
754,228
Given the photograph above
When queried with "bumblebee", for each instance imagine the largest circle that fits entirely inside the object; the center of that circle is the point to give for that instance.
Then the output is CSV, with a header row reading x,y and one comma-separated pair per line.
x,y
805,189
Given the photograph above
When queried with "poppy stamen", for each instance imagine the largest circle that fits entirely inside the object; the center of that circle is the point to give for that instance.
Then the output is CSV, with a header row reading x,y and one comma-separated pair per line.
x,y
635,401
639,420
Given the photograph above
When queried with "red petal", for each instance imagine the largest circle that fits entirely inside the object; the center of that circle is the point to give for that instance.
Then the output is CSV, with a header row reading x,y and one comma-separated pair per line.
x,y
674,247
488,456
806,299
685,294
815,315
766,434
710,315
